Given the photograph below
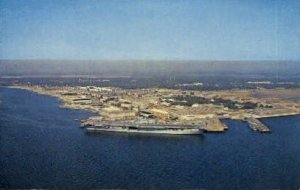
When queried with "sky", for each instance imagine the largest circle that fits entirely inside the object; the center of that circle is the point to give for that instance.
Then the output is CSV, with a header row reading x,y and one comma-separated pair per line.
x,y
150,29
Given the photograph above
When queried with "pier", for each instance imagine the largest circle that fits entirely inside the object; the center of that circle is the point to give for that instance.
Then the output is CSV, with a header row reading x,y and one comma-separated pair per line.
x,y
257,125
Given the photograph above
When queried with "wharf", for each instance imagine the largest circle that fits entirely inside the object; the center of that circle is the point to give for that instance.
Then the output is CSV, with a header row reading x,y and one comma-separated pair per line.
x,y
257,125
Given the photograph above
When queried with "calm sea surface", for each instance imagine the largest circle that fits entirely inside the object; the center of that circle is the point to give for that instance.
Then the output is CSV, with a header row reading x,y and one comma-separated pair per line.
x,y
42,146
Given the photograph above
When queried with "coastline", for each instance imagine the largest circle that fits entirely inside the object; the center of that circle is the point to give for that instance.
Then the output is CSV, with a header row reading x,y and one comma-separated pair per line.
x,y
210,124
63,102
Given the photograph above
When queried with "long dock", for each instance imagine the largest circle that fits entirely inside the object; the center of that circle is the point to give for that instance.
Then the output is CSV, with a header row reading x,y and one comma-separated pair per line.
x,y
257,125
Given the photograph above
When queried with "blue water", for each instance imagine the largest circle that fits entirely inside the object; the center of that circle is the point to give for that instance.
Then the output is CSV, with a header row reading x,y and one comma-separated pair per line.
x,y
42,146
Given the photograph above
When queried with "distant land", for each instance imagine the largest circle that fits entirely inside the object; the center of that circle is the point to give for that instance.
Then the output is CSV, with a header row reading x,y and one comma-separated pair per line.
x,y
142,68
212,75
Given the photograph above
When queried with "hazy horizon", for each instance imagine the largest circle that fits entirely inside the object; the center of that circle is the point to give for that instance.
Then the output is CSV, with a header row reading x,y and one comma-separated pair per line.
x,y
159,60
147,68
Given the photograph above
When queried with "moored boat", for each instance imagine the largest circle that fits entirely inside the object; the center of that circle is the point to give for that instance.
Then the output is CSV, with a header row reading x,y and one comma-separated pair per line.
x,y
148,129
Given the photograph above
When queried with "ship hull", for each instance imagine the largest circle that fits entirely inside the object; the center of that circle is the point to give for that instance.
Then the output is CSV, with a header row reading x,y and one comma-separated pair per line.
x,y
147,131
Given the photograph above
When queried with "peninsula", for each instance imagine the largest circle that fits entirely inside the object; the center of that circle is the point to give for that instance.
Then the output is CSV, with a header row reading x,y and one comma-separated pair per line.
x,y
169,107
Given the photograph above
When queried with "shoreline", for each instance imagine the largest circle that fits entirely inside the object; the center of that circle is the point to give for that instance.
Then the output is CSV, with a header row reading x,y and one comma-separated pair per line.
x,y
209,124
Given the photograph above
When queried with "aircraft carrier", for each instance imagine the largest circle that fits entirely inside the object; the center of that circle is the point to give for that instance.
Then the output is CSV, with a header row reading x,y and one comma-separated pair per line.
x,y
146,129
